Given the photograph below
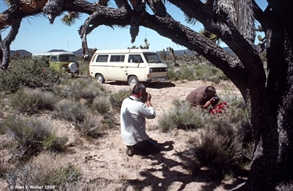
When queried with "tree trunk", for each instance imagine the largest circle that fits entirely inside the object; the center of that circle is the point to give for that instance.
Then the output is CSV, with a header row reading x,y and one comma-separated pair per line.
x,y
272,119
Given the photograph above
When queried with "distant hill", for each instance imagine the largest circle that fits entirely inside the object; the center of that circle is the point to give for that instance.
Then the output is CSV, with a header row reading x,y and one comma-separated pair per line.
x,y
78,52
22,53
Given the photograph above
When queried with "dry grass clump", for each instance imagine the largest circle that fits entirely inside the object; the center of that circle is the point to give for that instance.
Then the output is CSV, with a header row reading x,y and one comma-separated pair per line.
x,y
77,113
80,88
38,175
70,111
219,147
116,99
32,136
181,116
90,126
31,101
195,71
101,104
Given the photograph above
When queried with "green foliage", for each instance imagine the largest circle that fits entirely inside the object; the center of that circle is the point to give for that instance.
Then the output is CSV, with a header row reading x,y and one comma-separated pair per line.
x,y
55,176
213,37
32,136
30,101
70,18
28,73
182,116
116,99
81,88
70,111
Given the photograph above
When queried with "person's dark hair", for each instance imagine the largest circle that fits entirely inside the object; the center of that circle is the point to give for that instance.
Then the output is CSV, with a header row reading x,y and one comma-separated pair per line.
x,y
138,88
210,90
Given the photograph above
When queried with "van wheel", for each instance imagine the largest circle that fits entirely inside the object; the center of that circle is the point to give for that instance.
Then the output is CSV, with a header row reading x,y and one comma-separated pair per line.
x,y
100,79
132,80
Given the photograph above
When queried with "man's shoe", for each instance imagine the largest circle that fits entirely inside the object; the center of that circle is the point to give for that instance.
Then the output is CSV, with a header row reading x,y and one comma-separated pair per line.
x,y
129,151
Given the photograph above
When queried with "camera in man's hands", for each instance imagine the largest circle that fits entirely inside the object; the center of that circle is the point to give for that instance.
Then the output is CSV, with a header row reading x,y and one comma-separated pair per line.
x,y
216,98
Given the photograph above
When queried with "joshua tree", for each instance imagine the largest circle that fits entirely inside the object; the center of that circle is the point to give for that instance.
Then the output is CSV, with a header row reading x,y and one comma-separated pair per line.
x,y
171,50
269,98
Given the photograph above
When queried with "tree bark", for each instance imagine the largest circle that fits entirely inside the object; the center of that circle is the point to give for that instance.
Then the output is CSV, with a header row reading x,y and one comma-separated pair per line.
x,y
5,44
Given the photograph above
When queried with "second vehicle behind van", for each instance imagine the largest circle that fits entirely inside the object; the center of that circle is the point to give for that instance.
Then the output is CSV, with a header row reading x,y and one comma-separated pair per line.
x,y
60,61
129,65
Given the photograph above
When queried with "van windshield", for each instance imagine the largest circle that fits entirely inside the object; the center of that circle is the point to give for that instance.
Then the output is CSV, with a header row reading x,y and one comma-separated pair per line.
x,y
67,58
152,57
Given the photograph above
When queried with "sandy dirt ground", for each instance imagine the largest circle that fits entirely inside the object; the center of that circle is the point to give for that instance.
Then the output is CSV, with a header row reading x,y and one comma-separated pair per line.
x,y
105,166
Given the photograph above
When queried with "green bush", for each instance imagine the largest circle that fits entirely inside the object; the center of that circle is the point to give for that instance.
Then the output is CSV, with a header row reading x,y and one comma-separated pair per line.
x,y
181,116
37,172
116,99
30,101
70,111
32,136
28,73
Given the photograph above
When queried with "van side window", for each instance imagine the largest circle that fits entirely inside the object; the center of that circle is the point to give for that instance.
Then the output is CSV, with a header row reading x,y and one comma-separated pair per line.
x,y
53,59
134,58
102,58
117,58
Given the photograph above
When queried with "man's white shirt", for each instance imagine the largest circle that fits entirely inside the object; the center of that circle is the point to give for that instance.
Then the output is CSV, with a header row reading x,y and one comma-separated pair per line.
x,y
132,120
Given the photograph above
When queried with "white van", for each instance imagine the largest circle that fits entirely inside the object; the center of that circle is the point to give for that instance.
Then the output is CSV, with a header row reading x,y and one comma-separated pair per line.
x,y
129,65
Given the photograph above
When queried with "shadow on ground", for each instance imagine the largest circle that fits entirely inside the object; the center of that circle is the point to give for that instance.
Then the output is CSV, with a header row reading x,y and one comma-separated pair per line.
x,y
170,175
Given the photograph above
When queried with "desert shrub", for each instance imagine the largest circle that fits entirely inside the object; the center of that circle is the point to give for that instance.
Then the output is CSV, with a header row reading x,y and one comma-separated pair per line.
x,y
30,101
101,104
83,67
70,111
38,175
90,126
191,72
28,73
33,136
219,148
116,99
181,116
109,121
80,88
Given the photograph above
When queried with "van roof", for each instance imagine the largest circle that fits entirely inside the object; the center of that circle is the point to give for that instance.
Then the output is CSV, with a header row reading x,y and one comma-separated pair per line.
x,y
123,51
50,53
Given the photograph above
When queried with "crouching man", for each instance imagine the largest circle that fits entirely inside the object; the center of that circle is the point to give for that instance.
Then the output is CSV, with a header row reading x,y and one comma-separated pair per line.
x,y
134,111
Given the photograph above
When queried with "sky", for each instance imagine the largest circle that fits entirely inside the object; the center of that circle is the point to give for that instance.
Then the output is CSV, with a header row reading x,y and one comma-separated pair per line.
x,y
36,34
